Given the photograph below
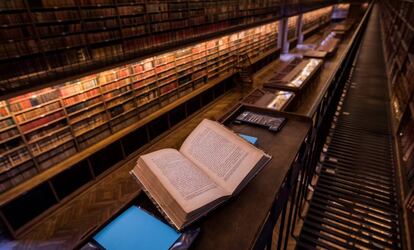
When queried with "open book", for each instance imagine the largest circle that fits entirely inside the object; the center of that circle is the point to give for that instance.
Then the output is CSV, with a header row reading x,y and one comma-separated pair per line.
x,y
212,164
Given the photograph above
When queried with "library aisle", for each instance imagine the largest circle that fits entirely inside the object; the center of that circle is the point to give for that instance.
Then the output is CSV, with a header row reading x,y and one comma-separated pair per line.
x,y
355,202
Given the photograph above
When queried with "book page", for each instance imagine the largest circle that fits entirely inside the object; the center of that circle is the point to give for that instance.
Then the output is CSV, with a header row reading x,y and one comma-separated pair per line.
x,y
189,185
222,154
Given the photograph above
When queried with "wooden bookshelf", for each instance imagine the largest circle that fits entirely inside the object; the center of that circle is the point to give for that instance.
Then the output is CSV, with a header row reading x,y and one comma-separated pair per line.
x,y
46,39
292,23
397,24
65,119
316,18
397,19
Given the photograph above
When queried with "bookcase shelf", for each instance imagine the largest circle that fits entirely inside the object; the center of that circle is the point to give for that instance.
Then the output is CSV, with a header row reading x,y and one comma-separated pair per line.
x,y
78,114
61,39
315,18
399,33
397,18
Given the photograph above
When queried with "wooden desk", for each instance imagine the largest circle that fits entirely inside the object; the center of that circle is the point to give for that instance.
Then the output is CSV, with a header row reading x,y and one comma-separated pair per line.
x,y
343,27
239,223
263,98
286,83
330,47
315,54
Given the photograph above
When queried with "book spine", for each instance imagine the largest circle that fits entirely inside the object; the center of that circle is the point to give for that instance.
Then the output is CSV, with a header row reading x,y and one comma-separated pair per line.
x,y
167,218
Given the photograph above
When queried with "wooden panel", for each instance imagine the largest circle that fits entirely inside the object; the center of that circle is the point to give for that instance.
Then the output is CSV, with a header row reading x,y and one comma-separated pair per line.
x,y
193,105
134,140
207,97
177,115
71,179
158,126
106,158
219,90
29,205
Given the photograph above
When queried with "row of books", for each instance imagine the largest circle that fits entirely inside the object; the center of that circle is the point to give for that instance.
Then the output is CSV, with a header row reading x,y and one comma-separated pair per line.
x,y
66,42
8,146
310,18
51,142
172,5
17,175
38,112
56,155
18,48
85,113
94,136
79,86
30,100
132,21
10,133
16,34
45,131
81,97
14,158
131,10
6,123
57,16
94,25
43,120
90,123
12,4
124,121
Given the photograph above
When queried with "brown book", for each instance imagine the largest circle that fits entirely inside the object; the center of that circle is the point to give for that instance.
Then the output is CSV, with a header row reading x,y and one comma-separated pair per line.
x,y
212,165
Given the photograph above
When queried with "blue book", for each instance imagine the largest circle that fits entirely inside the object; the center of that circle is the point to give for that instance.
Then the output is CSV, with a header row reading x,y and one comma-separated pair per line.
x,y
251,139
136,229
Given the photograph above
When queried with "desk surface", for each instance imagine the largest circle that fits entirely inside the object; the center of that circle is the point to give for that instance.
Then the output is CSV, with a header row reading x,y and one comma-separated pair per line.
x,y
262,98
237,224
330,47
315,54
343,26
285,82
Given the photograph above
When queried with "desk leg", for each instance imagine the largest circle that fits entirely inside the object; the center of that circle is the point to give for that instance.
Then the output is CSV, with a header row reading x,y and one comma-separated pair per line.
x,y
292,205
281,228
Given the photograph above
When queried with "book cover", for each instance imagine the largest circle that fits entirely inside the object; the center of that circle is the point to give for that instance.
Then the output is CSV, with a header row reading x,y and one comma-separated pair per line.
x,y
136,229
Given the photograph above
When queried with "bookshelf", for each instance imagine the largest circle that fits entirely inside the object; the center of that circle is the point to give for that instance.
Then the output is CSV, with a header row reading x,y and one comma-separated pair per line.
x,y
49,125
398,38
316,18
397,18
49,40
292,23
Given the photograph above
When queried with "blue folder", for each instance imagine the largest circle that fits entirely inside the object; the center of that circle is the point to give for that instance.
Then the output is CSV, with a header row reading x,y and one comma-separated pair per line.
x,y
249,138
136,229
